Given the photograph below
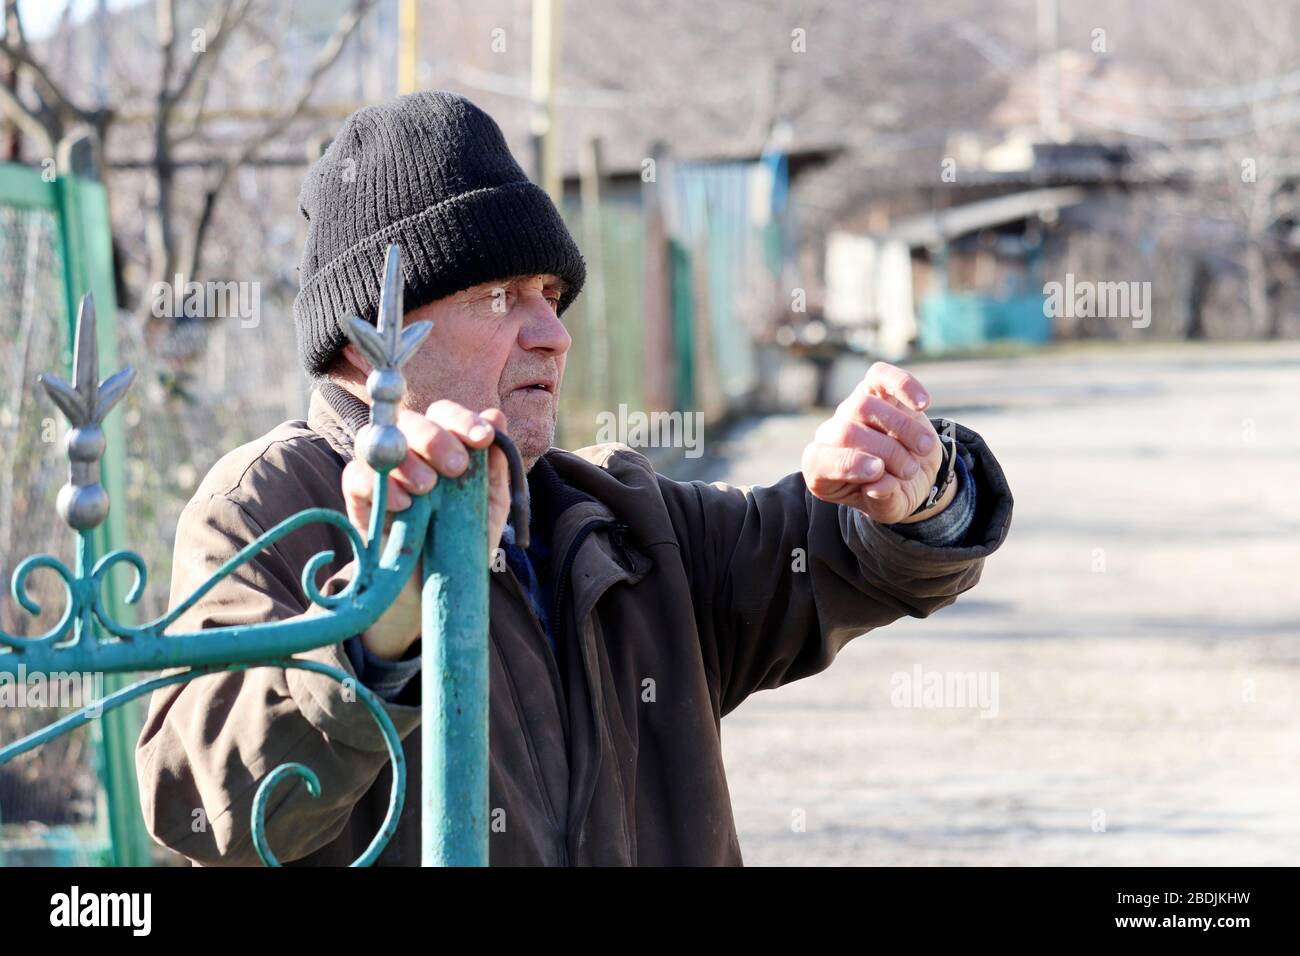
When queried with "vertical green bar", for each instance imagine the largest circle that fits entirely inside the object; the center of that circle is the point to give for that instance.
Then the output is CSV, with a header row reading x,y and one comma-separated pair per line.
x,y
454,648
88,267
683,306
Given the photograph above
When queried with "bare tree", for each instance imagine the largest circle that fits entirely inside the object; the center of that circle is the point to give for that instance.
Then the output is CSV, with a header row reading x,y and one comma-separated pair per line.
x,y
53,114
1224,112
176,232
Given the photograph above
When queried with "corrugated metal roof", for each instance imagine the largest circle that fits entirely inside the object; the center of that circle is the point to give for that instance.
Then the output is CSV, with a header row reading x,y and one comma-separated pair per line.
x,y
944,224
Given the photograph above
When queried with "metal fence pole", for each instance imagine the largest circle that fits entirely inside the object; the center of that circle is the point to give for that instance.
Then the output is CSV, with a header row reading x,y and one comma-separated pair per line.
x,y
454,736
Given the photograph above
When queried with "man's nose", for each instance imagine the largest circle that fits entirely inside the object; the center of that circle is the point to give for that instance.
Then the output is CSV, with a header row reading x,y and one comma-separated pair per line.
x,y
542,328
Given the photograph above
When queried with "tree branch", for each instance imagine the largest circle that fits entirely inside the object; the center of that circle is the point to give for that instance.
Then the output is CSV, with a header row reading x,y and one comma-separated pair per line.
x,y
29,122
19,52
219,27
324,60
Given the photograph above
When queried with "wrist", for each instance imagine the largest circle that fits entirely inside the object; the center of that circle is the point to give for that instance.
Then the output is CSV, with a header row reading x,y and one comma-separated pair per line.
x,y
942,492
387,645
390,637
947,498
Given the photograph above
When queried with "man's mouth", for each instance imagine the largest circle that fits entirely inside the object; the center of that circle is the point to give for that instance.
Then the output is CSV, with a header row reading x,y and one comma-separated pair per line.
x,y
542,385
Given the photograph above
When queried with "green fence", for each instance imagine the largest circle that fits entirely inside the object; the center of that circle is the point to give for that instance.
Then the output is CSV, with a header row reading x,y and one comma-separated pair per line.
x,y
692,272
605,367
74,802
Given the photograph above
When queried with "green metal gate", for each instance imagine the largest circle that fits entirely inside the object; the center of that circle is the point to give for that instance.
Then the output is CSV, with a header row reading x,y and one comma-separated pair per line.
x,y
444,532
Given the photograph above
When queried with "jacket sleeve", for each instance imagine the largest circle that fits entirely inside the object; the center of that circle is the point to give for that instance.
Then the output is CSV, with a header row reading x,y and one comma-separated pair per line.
x,y
782,580
207,744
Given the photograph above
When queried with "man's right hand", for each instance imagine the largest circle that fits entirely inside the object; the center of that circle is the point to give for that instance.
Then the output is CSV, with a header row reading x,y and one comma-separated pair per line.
x,y
438,443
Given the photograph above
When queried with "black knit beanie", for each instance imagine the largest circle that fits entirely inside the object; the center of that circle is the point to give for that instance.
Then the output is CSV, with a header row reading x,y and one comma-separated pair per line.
x,y
431,172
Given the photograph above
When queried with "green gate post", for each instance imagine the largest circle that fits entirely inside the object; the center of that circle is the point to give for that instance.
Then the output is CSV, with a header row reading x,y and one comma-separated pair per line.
x,y
454,673
86,232
454,595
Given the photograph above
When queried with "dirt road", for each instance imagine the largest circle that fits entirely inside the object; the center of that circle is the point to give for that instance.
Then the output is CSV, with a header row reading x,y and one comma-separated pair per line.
x,y
1141,623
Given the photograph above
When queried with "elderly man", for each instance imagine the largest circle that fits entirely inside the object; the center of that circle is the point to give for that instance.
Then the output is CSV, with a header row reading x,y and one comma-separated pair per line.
x,y
644,609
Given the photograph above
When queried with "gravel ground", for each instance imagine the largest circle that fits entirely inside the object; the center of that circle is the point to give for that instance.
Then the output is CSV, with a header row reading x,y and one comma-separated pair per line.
x,y
1140,621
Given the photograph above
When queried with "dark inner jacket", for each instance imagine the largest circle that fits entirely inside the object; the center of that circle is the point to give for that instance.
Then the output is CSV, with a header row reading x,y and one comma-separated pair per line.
x,y
674,602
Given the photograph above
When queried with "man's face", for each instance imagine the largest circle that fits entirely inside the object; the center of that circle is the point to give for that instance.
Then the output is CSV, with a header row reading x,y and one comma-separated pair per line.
x,y
496,345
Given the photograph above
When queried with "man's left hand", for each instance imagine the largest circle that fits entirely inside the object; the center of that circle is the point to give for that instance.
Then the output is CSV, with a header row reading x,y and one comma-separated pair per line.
x,y
878,453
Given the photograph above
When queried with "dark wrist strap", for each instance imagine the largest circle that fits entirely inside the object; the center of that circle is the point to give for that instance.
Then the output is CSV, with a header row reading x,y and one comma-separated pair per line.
x,y
947,467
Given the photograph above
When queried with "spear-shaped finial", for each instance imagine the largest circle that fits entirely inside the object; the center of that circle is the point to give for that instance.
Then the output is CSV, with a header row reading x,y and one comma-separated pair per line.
x,y
82,502
388,348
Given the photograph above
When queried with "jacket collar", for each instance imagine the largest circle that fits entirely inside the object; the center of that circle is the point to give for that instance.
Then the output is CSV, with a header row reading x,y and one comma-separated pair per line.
x,y
337,415
549,500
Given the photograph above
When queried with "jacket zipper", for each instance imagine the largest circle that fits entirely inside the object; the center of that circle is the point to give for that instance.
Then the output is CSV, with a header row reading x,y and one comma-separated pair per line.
x,y
619,528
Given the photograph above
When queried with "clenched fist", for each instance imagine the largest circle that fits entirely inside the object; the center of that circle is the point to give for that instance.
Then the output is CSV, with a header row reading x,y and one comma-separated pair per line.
x,y
878,452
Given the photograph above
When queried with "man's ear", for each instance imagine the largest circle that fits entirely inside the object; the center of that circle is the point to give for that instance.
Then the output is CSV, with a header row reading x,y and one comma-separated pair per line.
x,y
352,360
